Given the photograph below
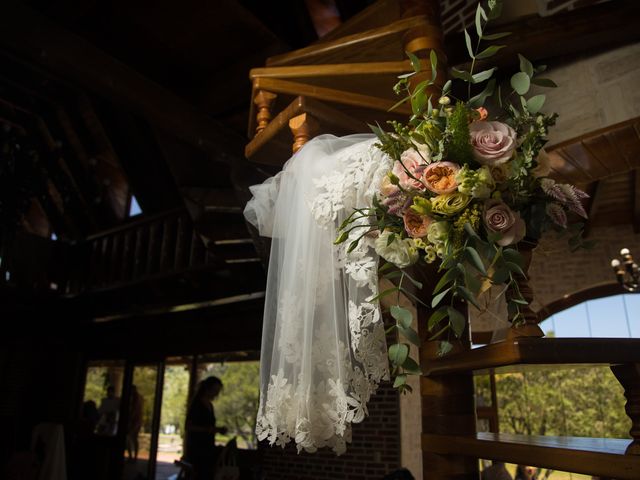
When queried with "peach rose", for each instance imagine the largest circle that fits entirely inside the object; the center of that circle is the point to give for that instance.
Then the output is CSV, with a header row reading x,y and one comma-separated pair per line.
x,y
415,224
440,177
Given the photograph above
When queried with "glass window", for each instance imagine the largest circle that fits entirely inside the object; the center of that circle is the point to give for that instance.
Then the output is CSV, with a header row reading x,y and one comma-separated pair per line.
x,y
101,400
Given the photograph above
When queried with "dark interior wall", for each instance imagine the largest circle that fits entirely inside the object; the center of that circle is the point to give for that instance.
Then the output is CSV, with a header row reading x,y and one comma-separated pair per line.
x,y
40,381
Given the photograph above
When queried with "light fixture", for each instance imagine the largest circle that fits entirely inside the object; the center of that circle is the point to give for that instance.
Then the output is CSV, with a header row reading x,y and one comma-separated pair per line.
x,y
627,272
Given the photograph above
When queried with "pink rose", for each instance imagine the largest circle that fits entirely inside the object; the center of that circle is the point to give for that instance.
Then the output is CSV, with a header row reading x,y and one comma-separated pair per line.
x,y
440,177
499,218
493,142
415,224
414,164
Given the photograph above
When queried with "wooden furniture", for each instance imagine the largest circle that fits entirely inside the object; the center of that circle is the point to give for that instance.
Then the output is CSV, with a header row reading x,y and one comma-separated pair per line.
x,y
616,458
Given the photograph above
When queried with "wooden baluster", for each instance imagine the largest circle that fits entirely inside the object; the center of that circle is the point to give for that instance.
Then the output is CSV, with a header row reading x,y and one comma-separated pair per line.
x,y
127,260
182,243
139,263
264,101
153,248
167,251
105,254
115,258
303,127
629,377
198,252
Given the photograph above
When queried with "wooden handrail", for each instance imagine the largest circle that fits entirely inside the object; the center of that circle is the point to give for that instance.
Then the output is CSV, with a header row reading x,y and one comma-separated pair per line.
x,y
592,456
346,43
538,351
137,223
333,69
328,94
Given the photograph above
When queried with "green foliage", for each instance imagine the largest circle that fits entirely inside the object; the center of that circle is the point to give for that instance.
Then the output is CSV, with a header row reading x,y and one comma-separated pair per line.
x,y
582,402
457,134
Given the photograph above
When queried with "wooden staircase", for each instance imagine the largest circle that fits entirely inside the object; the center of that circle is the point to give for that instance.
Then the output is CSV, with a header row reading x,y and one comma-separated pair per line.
x,y
340,84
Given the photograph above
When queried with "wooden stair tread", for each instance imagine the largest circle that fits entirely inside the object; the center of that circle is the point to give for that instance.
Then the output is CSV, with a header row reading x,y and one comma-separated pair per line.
x,y
591,456
380,43
540,351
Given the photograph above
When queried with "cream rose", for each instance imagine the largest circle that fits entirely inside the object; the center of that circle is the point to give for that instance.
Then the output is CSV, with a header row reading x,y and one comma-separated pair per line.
x,y
499,218
493,142
401,252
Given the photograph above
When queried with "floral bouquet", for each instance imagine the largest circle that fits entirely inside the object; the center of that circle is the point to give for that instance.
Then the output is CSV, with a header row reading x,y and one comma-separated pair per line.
x,y
467,185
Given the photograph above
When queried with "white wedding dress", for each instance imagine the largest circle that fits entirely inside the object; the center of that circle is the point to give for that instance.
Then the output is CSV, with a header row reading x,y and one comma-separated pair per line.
x,y
323,341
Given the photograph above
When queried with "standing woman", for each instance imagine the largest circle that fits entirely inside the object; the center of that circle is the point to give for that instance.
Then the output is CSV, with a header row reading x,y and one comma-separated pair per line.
x,y
200,444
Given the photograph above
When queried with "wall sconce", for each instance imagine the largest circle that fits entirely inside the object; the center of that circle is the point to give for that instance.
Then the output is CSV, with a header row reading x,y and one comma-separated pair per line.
x,y
627,272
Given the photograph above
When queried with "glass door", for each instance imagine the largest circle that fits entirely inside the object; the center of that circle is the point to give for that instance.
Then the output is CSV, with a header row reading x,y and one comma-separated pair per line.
x,y
141,421
175,394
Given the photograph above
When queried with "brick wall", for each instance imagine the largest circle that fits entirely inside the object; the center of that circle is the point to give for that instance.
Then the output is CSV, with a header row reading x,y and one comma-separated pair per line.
x,y
374,452
556,272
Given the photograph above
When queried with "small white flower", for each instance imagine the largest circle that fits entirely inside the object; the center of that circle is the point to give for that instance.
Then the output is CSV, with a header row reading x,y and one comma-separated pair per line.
x,y
401,252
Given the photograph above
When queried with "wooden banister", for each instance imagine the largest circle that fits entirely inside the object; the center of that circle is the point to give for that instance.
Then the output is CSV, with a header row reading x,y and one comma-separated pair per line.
x,y
591,456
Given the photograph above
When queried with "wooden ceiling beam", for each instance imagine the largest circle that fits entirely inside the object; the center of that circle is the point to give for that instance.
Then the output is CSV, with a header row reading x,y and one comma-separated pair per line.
x,y
540,38
43,42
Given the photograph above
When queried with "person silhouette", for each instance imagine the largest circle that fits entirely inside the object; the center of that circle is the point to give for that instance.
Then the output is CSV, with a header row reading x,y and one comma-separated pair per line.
x,y
109,413
201,429
136,407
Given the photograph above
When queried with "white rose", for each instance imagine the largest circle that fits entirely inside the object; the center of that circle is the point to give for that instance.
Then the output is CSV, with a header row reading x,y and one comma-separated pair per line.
x,y
401,252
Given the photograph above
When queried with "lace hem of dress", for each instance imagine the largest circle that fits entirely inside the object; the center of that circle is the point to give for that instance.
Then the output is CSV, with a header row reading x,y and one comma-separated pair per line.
x,y
320,414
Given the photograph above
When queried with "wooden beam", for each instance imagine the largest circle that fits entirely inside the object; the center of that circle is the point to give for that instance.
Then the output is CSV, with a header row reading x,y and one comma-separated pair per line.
x,y
578,31
34,36
594,202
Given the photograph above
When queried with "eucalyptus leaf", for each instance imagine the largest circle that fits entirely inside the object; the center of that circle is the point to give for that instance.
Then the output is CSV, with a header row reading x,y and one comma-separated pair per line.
x,y
446,88
544,82
469,229
383,294
467,295
461,74
482,76
411,366
501,275
457,321
400,380
447,278
436,317
415,62
472,283
514,267
526,66
519,301
496,36
398,353
475,259
352,246
444,347
512,255
410,334
467,40
438,298
479,14
520,82
490,51
433,57
402,315
478,100
534,104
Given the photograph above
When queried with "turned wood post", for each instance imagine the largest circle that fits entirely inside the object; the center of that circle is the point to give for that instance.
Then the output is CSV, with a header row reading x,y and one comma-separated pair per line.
x,y
264,101
629,377
303,127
